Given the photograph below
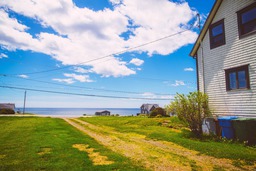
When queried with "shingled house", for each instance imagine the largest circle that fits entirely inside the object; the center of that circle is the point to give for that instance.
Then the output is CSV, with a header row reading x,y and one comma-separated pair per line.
x,y
7,108
147,108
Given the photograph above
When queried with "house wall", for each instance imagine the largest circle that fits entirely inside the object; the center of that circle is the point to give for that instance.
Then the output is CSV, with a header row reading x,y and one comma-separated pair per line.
x,y
234,53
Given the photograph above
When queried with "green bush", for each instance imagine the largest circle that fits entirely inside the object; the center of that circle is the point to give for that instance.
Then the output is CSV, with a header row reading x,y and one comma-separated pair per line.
x,y
191,109
7,111
157,112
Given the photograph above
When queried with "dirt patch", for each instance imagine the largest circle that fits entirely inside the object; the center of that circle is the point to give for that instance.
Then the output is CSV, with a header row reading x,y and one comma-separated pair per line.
x,y
96,158
44,150
153,154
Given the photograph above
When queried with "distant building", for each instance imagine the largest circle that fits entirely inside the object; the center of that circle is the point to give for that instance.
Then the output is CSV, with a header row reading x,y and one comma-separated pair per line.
x,y
7,106
147,108
103,113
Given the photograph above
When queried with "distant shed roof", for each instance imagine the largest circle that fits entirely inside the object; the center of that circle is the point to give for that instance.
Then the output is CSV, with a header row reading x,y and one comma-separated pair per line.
x,y
7,106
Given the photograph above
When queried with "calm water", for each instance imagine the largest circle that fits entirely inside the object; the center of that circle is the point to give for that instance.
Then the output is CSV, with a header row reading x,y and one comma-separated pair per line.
x,y
76,112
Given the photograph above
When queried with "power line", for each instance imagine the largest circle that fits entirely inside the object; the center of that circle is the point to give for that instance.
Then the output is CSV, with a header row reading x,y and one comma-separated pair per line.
x,y
80,94
110,55
81,87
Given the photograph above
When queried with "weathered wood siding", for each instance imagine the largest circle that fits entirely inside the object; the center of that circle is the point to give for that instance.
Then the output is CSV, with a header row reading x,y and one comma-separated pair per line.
x,y
234,53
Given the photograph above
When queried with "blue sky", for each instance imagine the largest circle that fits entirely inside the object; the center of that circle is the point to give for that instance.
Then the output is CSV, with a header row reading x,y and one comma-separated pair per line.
x,y
88,53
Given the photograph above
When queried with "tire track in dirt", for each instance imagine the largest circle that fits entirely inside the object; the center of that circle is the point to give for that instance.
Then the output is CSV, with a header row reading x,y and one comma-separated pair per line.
x,y
154,155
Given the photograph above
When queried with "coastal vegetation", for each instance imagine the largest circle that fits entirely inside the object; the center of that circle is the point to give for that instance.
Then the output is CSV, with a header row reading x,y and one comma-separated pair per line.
x,y
192,109
115,143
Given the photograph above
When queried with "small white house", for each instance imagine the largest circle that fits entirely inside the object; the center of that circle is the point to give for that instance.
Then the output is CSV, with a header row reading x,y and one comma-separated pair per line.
x,y
225,54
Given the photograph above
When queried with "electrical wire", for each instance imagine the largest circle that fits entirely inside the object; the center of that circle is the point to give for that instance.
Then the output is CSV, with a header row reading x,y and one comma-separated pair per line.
x,y
82,87
110,55
80,94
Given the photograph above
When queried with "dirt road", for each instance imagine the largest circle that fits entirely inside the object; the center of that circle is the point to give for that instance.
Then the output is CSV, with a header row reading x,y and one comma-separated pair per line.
x,y
152,154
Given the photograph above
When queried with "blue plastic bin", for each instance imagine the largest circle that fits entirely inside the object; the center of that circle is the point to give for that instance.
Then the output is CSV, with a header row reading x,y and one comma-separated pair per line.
x,y
226,125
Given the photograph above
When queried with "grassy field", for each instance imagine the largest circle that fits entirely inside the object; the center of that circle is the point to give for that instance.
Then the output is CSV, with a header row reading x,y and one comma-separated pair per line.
x,y
32,143
172,130
114,143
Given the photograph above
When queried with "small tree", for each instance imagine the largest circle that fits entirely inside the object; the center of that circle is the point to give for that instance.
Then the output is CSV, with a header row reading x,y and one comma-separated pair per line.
x,y
192,109
157,112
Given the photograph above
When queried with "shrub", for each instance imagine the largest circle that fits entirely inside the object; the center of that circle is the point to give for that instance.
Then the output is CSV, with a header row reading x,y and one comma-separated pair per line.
x,y
191,109
7,111
157,112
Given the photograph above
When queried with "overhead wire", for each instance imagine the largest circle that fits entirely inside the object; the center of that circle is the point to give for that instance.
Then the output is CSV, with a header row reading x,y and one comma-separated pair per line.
x,y
109,55
82,87
81,94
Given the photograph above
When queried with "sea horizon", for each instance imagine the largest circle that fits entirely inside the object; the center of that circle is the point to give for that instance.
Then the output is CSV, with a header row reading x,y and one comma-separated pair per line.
x,y
76,112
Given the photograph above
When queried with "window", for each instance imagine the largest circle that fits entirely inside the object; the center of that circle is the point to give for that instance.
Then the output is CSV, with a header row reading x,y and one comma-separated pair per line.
x,y
247,20
237,78
217,34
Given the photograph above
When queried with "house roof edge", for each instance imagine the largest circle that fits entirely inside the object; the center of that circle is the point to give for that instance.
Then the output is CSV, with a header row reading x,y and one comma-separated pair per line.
x,y
205,27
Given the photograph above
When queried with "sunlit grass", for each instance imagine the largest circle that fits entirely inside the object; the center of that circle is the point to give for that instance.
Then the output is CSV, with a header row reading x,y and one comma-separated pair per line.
x,y
32,143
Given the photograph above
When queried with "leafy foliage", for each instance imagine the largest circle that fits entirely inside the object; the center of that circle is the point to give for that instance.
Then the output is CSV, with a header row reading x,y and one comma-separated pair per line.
x,y
192,109
158,112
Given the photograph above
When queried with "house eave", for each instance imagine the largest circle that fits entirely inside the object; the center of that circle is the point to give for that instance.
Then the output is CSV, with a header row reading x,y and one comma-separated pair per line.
x,y
205,27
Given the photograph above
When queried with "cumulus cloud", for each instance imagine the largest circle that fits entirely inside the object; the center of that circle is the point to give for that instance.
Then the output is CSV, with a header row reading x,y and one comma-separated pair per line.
x,y
84,35
81,78
136,61
64,80
23,76
188,69
3,55
178,83
81,70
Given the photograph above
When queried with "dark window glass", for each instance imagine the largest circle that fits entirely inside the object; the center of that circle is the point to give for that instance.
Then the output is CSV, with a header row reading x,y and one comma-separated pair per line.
x,y
217,30
232,80
247,20
217,34
237,78
241,79
249,16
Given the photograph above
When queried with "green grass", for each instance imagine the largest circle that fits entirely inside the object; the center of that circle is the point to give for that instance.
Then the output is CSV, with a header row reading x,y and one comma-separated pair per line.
x,y
32,143
153,128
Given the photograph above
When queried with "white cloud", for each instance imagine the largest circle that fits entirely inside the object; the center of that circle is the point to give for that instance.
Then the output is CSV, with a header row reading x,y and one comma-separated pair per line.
x,y
188,69
81,78
85,35
23,76
136,61
113,67
65,80
81,70
178,83
3,55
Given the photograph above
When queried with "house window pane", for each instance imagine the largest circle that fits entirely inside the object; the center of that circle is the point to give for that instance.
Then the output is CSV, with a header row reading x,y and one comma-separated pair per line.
x,y
247,20
249,16
237,78
232,80
241,79
217,30
217,34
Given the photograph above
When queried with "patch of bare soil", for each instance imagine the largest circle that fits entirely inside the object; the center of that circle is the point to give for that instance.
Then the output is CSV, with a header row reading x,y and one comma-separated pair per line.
x,y
152,154
96,158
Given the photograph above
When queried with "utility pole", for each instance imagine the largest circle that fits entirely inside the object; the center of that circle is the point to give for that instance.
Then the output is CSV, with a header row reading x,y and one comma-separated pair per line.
x,y
24,106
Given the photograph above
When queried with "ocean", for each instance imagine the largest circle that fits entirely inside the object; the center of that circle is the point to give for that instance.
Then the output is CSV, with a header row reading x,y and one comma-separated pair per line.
x,y
76,112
